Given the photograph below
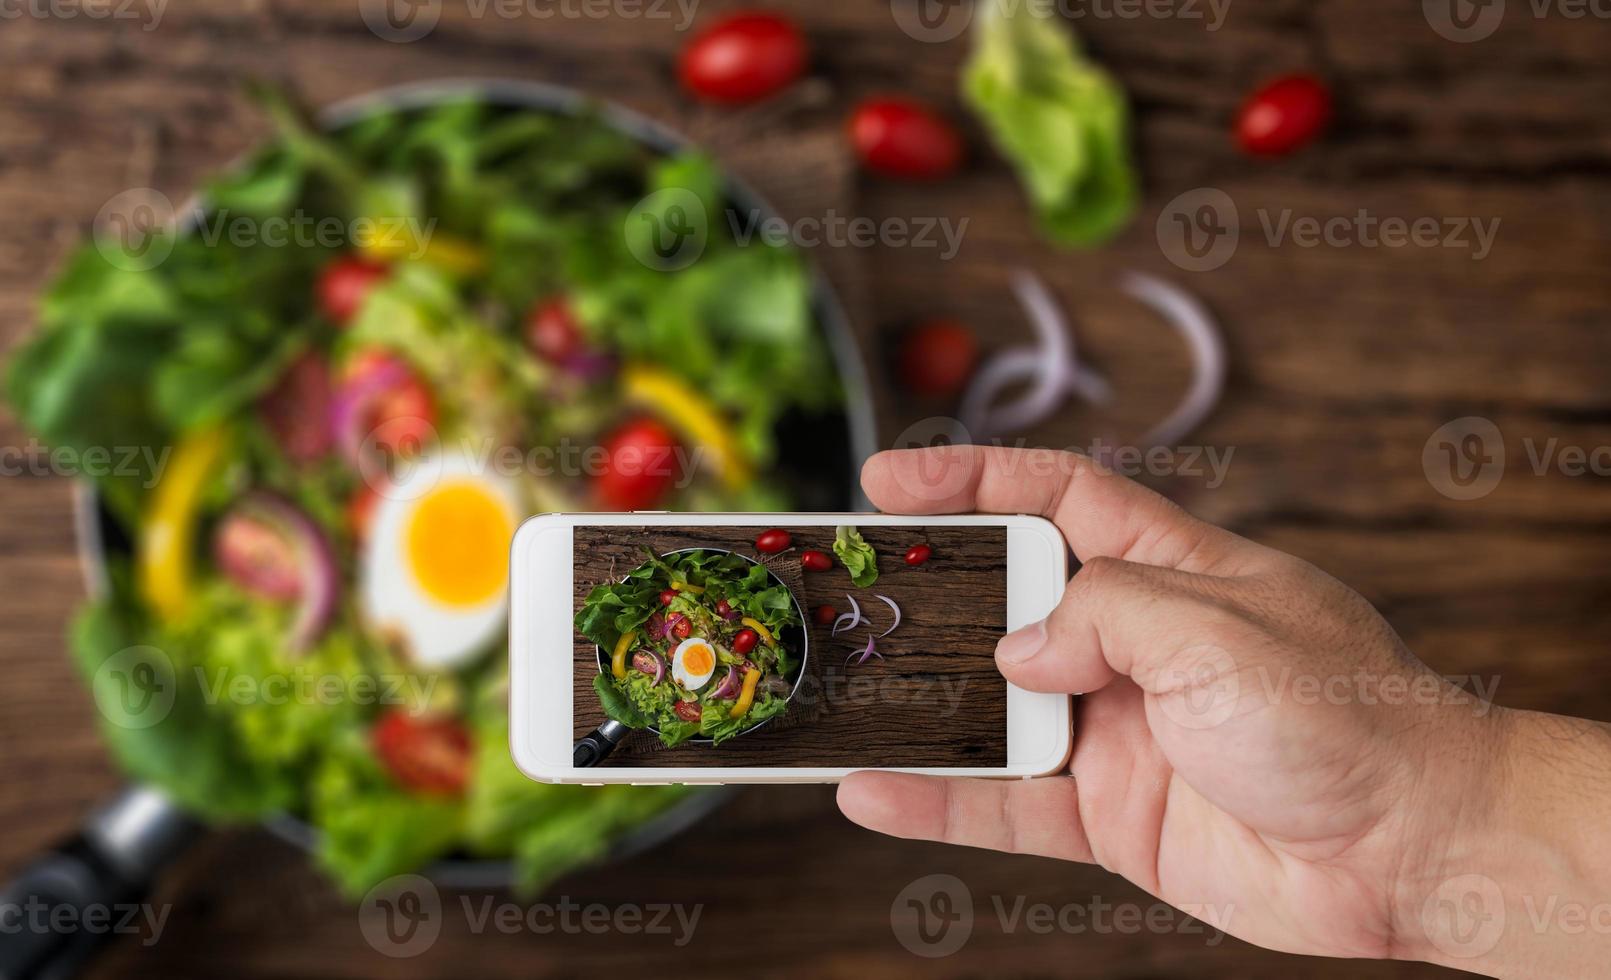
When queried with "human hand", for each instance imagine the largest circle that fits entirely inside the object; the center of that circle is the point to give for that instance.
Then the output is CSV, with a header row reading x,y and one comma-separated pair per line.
x,y
1253,737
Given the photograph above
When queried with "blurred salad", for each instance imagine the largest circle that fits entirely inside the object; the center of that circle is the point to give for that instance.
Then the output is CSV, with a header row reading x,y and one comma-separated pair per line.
x,y
696,645
356,427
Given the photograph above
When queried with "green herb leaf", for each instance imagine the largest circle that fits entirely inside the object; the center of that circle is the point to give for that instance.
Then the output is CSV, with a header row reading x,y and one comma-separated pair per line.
x,y
857,555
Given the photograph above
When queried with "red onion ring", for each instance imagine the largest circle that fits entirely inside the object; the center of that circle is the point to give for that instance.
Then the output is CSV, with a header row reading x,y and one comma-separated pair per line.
x,y
350,413
1192,321
321,579
897,610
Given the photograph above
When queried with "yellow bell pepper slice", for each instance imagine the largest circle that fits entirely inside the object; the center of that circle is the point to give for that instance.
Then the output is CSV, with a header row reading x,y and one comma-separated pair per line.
x,y
167,543
760,627
394,241
691,413
685,587
618,658
746,696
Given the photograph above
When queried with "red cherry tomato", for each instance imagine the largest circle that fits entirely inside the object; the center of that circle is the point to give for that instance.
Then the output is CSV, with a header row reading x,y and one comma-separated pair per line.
x,y
743,58
666,595
687,710
256,556
682,627
400,420
297,409
552,331
724,609
917,554
906,139
745,641
640,465
937,358
826,615
427,755
815,561
344,285
1283,115
773,541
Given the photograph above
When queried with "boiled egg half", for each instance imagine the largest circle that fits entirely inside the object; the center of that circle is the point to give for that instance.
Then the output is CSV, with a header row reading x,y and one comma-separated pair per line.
x,y
693,663
434,572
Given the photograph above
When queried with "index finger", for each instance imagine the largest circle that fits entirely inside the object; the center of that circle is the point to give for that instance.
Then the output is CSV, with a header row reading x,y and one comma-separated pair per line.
x,y
1099,512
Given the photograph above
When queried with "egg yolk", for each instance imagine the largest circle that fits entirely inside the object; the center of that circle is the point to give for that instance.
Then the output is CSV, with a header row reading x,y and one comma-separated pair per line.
x,y
458,544
698,660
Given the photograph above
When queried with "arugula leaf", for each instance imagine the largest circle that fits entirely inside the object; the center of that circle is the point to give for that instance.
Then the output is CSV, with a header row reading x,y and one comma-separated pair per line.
x,y
1060,120
856,555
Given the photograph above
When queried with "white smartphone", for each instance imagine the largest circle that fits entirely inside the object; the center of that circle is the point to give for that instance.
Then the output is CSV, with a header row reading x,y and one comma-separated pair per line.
x,y
761,648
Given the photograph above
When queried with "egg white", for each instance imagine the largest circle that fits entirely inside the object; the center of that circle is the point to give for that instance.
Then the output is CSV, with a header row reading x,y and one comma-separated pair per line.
x,y
679,666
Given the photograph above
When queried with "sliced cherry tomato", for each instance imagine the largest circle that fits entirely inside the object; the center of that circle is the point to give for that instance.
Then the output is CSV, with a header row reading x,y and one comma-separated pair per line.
x,y
361,511
902,138
682,627
399,420
773,541
745,641
825,615
425,754
917,554
666,595
1283,115
743,58
256,556
937,358
297,409
687,710
640,465
344,285
815,561
552,331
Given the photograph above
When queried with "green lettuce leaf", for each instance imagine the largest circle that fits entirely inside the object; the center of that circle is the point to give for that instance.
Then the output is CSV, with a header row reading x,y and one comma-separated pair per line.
x,y
1060,120
856,555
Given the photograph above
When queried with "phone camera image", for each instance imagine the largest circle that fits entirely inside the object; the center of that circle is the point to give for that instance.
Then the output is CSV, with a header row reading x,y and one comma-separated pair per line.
x,y
795,646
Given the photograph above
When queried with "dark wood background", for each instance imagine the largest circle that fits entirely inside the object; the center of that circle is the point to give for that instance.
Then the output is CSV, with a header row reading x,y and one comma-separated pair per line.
x,y
936,699
1345,360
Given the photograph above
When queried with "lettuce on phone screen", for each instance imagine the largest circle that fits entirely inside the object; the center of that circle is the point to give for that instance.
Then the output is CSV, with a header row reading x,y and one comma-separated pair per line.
x,y
694,637
696,645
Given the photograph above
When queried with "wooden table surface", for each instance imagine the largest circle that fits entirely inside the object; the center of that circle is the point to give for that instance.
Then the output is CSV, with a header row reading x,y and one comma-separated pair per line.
x,y
1345,360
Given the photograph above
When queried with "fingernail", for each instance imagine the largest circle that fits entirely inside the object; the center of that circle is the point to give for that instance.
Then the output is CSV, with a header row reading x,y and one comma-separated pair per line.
x,y
1021,644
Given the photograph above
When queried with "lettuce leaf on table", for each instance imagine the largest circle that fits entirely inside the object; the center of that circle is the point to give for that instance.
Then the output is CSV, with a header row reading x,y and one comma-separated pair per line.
x,y
1059,119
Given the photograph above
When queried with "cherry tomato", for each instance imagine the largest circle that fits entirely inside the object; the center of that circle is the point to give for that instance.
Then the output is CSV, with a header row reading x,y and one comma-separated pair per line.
x,y
773,541
344,285
640,465
825,615
917,554
427,755
687,710
682,627
815,561
552,331
901,138
361,511
745,641
937,358
1283,115
297,409
666,595
724,609
743,58
399,421
256,556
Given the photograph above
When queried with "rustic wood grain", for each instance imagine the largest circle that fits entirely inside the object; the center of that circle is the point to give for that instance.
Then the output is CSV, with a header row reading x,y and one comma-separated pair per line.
x,y
1344,363
934,700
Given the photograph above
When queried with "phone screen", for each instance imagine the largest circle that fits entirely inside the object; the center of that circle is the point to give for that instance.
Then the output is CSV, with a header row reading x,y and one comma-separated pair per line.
x,y
715,654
